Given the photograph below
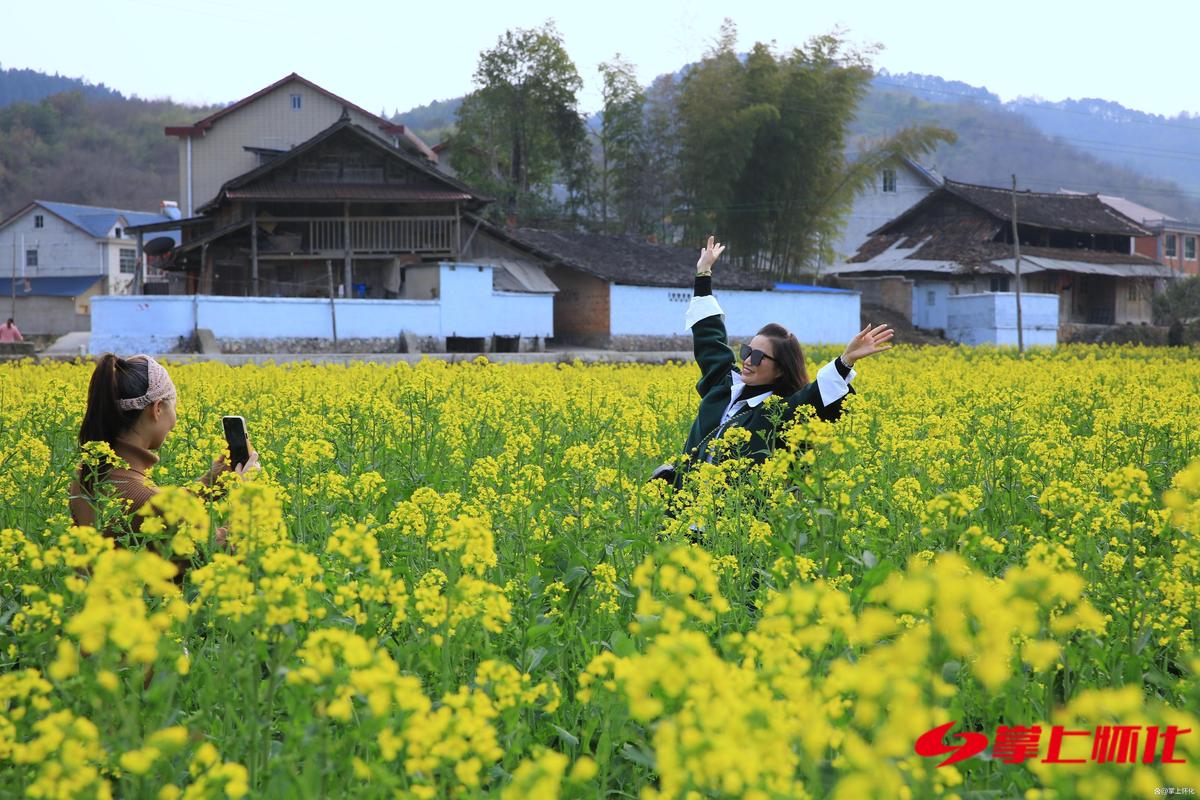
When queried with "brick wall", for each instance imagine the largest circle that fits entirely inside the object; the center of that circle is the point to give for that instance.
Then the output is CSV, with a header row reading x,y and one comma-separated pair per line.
x,y
581,308
892,292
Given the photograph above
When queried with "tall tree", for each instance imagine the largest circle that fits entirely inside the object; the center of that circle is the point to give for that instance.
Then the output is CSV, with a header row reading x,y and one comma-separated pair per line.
x,y
662,157
623,154
520,128
762,156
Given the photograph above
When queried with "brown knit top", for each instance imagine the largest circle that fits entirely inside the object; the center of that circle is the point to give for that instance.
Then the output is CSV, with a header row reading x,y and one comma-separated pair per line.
x,y
129,484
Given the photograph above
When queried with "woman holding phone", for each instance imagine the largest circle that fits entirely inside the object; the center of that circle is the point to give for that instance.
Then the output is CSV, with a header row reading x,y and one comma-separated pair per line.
x,y
732,391
131,407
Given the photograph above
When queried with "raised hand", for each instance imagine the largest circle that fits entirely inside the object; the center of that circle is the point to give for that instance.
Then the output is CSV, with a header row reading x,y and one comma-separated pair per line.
x,y
708,256
868,342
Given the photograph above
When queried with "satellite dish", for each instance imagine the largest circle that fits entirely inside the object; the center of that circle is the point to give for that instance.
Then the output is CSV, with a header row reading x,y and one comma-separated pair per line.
x,y
159,245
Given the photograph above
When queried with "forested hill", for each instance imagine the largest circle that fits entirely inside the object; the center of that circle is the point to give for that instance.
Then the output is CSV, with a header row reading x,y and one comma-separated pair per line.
x,y
98,151
30,86
91,145
1160,155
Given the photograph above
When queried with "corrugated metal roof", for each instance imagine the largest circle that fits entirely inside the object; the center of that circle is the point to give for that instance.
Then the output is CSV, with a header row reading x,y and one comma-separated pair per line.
x,y
911,265
513,275
897,258
58,286
1031,264
342,191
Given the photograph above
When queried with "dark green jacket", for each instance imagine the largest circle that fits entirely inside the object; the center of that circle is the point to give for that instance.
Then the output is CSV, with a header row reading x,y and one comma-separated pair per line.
x,y
717,365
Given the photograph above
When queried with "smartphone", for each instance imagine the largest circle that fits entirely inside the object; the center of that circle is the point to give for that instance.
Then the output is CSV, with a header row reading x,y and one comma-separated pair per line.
x,y
235,437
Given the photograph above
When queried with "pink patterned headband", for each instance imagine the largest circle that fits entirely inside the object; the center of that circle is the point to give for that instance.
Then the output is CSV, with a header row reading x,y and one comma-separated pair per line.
x,y
160,387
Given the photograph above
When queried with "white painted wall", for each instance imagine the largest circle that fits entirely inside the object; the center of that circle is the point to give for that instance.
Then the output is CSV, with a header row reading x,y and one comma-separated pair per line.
x,y
64,250
470,307
467,307
991,318
815,317
874,207
930,303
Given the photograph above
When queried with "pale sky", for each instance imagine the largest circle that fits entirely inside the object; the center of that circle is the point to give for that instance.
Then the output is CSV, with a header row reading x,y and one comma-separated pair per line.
x,y
396,55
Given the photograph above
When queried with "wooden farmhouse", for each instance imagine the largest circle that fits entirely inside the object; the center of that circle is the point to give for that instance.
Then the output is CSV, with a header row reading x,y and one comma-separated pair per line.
x,y
959,240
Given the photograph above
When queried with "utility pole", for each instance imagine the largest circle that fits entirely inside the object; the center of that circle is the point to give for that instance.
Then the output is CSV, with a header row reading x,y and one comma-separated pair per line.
x,y
1017,258
13,285
332,307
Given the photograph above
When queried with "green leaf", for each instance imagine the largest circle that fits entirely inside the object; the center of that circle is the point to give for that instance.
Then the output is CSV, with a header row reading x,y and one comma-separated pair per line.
x,y
622,645
571,739
638,756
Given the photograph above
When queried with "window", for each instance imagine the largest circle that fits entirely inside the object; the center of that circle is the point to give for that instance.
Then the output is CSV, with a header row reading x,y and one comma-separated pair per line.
x,y
930,298
999,283
1169,245
128,260
117,233
39,221
31,258
1189,248
296,102
1133,290
889,180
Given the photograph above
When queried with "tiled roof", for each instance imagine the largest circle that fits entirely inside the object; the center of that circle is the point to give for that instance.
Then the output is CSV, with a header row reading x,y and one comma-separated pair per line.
x,y
1084,213
344,191
96,221
622,259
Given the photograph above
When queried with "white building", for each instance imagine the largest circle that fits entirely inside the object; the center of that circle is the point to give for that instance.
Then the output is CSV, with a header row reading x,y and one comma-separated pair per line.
x,y
898,186
255,129
60,254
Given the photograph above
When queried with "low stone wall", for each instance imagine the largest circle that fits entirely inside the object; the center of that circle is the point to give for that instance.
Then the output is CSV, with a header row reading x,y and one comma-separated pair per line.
x,y
11,351
1112,334
395,344
649,343
390,344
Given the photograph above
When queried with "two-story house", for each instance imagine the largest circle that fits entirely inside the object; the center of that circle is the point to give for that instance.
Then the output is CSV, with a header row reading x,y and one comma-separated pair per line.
x,y
959,241
54,256
249,133
1172,242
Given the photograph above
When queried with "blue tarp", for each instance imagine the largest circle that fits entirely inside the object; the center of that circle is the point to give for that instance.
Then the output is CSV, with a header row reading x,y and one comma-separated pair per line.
x,y
804,287
65,286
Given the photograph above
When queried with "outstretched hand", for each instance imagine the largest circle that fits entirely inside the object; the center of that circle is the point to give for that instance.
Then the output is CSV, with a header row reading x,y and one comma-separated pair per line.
x,y
708,256
868,342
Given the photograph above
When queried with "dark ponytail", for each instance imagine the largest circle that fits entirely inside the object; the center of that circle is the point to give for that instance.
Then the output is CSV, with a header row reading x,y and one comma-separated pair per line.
x,y
789,357
113,379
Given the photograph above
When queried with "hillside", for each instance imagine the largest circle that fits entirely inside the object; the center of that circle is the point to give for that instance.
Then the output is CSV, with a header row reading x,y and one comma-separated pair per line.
x,y
76,149
30,86
1153,145
996,141
91,145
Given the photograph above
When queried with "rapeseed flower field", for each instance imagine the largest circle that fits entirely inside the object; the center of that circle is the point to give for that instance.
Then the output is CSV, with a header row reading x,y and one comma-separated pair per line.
x,y
456,581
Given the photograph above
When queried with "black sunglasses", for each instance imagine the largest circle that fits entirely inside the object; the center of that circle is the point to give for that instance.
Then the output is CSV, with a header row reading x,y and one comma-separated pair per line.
x,y
755,356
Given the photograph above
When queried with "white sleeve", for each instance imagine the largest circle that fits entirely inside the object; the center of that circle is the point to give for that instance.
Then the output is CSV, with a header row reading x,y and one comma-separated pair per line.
x,y
702,308
832,385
